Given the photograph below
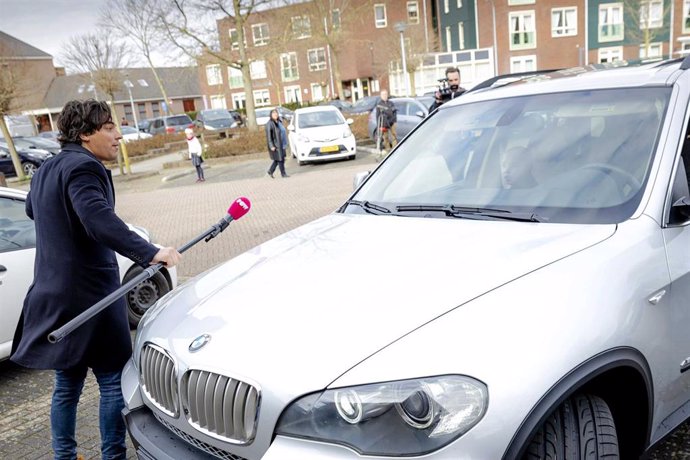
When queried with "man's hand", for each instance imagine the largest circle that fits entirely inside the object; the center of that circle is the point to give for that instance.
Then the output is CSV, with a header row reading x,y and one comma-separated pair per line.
x,y
169,256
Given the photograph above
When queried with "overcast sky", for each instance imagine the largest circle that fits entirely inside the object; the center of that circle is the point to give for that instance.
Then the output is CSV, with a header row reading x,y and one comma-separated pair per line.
x,y
49,24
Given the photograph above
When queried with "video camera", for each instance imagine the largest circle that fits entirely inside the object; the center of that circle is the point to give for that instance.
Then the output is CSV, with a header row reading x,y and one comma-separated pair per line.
x,y
444,89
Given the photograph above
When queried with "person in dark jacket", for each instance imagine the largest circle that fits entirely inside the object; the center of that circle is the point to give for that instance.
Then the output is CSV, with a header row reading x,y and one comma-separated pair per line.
x,y
72,202
387,117
454,89
276,144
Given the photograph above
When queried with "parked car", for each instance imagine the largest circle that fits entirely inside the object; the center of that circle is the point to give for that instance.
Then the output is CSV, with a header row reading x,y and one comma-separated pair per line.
x,y
525,274
363,105
320,133
263,114
144,125
237,117
343,106
410,113
215,119
170,124
17,250
51,135
31,159
129,133
38,142
426,101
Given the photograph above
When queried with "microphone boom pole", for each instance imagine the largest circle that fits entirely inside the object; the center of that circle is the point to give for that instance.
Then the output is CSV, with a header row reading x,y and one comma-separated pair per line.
x,y
238,209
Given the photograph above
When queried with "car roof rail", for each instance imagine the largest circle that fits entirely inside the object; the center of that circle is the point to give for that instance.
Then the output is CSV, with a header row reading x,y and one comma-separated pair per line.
x,y
685,64
510,77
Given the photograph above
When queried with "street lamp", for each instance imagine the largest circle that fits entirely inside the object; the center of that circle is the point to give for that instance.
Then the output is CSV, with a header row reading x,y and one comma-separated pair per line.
x,y
129,86
401,27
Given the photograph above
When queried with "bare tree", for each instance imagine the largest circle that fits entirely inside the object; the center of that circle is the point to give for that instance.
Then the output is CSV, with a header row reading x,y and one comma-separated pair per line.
x,y
100,58
645,23
135,21
10,90
180,21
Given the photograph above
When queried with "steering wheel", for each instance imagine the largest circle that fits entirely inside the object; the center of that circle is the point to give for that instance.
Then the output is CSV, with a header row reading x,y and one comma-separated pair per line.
x,y
622,177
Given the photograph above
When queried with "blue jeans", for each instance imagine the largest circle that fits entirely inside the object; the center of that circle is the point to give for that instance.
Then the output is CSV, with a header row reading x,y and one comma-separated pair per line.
x,y
63,413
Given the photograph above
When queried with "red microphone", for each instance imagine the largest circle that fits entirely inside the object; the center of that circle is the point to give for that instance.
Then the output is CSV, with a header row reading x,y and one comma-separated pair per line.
x,y
237,209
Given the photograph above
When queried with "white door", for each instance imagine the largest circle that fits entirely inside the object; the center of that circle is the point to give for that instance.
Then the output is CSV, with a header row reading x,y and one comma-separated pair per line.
x,y
17,249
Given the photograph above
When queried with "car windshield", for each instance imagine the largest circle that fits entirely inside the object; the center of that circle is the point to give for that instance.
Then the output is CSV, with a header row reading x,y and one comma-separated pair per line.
x,y
179,120
368,101
18,144
217,114
316,119
576,157
128,130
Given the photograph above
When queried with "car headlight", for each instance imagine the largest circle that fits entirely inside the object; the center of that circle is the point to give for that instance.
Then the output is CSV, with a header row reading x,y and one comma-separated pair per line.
x,y
302,138
347,132
421,415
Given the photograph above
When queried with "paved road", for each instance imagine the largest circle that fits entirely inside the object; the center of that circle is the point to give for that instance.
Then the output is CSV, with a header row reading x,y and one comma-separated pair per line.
x,y
175,211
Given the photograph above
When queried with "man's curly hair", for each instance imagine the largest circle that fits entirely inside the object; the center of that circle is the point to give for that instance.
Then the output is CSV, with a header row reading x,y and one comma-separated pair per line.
x,y
82,117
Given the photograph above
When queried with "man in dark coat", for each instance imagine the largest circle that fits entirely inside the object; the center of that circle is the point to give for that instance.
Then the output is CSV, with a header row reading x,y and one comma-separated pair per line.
x,y
72,203
454,89
386,118
276,144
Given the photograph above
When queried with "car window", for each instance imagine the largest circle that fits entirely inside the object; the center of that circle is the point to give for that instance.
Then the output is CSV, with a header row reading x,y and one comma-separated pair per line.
x,y
218,114
17,231
316,119
179,120
402,106
577,157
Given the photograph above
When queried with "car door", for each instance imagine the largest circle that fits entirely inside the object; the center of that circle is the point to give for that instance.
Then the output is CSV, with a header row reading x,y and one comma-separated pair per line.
x,y
405,122
6,166
17,250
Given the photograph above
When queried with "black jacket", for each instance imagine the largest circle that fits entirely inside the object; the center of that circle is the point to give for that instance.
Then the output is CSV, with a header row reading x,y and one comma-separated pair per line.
x,y
389,112
453,95
72,202
273,140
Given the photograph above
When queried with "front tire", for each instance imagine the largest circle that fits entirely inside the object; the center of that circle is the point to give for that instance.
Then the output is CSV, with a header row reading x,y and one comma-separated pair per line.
x,y
582,428
29,169
143,295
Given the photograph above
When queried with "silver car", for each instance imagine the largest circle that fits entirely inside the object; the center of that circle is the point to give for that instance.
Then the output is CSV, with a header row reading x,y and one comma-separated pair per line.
x,y
523,276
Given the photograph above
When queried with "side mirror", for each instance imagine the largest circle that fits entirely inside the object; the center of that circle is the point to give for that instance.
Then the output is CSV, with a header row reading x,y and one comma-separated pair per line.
x,y
350,121
680,210
420,114
291,127
359,179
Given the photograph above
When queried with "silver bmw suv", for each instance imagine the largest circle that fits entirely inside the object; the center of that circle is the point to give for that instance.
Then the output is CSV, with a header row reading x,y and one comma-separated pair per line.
x,y
523,259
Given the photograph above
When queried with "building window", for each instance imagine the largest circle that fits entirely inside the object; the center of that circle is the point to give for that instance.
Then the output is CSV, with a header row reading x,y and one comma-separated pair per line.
x,y
459,4
413,12
235,79
686,16
261,97
461,35
380,19
239,101
129,112
213,75
522,32
260,34
563,22
523,64
520,2
651,14
317,92
610,22
155,109
446,6
141,107
301,27
235,40
685,49
614,53
288,66
449,39
335,19
317,59
293,94
257,69
650,52
218,101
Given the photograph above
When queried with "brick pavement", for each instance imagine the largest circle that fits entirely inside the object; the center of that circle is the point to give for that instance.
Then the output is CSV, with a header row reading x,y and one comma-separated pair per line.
x,y
175,215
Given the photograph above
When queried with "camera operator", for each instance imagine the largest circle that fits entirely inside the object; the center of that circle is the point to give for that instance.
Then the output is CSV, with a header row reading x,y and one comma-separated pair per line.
x,y
452,91
387,117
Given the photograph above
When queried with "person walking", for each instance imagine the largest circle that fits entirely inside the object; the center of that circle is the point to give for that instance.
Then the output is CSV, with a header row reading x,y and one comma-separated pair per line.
x,y
276,144
387,117
195,151
72,201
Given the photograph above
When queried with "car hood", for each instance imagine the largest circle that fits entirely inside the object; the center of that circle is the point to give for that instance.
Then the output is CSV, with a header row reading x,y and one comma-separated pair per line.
x,y
318,300
324,133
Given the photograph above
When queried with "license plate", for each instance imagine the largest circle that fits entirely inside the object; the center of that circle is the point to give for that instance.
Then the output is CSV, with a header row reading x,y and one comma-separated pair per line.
x,y
329,148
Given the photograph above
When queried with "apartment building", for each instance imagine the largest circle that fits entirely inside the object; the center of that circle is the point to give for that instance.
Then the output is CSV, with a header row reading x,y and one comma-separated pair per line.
x,y
292,61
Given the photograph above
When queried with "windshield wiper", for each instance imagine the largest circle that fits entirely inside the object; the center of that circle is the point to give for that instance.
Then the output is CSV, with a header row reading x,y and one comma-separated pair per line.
x,y
370,207
471,212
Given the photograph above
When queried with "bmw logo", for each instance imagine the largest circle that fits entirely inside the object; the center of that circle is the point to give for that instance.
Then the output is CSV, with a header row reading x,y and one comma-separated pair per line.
x,y
199,343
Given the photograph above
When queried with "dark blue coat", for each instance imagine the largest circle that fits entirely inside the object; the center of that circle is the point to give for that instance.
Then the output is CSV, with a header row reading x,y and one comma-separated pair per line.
x,y
72,201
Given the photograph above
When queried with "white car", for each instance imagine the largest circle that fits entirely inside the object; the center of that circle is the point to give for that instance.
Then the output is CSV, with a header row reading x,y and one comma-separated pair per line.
x,y
131,134
321,133
17,250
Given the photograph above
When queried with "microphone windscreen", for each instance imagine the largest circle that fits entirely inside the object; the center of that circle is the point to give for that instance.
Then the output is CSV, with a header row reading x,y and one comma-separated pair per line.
x,y
239,207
